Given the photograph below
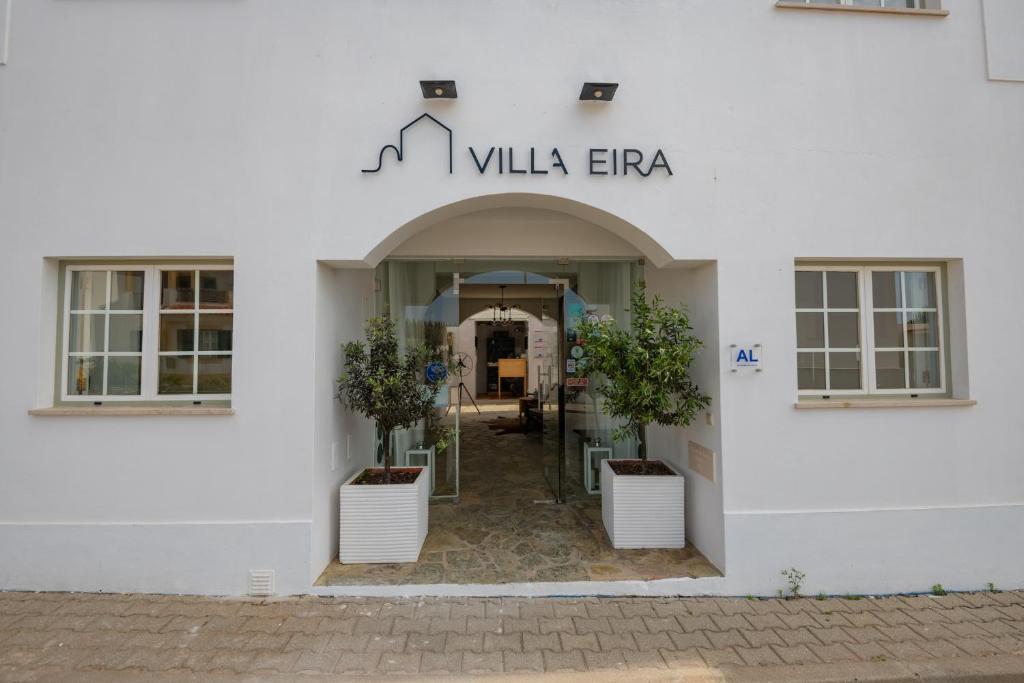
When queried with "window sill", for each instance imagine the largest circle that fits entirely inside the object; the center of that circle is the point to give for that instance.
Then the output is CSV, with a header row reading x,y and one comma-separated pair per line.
x,y
833,403
785,4
129,411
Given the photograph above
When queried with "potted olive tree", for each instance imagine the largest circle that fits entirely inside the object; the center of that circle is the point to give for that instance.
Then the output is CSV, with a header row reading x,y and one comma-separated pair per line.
x,y
642,376
384,509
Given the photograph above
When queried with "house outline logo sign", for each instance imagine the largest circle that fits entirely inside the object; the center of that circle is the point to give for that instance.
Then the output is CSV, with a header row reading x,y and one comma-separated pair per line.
x,y
498,160
400,149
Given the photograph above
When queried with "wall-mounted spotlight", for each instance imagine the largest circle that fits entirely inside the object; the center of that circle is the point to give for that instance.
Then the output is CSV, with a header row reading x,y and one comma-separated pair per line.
x,y
598,91
433,90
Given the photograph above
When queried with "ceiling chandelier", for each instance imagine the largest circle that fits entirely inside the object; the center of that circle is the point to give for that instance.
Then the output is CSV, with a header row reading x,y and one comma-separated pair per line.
x,y
500,313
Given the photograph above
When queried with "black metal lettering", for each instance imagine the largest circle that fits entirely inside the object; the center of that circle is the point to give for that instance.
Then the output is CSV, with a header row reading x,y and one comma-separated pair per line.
x,y
558,161
487,160
533,165
511,164
659,164
626,163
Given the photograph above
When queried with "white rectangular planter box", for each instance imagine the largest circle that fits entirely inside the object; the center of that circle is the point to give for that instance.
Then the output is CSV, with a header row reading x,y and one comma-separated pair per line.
x,y
643,511
381,523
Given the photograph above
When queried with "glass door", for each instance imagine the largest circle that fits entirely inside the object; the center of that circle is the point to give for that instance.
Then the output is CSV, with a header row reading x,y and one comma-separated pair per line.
x,y
551,400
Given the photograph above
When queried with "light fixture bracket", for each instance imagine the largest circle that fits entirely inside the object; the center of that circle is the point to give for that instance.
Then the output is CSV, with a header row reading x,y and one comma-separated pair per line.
x,y
598,92
439,90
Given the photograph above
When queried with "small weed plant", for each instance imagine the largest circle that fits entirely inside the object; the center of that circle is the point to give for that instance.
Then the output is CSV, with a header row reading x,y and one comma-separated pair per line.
x,y
937,589
795,579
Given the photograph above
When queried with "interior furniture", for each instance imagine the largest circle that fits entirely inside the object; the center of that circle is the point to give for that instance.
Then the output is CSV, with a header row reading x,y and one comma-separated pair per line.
x,y
529,413
509,368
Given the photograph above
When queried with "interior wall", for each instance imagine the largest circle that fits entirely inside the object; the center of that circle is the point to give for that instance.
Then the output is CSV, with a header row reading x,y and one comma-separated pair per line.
x,y
697,289
343,441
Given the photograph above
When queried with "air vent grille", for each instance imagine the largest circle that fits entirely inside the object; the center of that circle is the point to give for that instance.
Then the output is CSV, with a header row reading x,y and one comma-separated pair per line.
x,y
261,582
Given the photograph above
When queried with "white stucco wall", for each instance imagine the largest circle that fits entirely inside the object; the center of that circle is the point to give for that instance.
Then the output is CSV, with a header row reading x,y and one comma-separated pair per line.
x,y
696,288
342,442
237,130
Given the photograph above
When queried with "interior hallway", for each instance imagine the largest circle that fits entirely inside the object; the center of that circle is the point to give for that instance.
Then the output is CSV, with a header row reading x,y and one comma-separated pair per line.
x,y
498,532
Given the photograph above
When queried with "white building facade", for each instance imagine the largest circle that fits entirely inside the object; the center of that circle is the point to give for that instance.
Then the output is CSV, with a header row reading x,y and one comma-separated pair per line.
x,y
189,234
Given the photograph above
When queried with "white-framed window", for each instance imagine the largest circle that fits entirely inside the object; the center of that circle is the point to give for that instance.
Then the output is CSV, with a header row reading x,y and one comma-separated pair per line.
x,y
147,333
869,330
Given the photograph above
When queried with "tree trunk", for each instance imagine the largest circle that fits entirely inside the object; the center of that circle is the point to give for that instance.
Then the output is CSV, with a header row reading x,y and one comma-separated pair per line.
x,y
387,456
641,449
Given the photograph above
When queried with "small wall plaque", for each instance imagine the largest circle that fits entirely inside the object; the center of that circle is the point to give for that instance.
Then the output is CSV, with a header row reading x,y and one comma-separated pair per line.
x,y
746,356
702,461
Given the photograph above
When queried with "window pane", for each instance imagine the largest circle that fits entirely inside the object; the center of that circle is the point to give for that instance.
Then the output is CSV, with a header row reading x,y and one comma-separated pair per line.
x,y
888,330
214,375
86,333
214,332
810,330
920,290
842,290
924,370
890,370
177,289
176,374
922,328
844,370
843,330
808,289
866,3
216,288
85,375
126,290
810,371
177,332
885,290
125,333
88,290
124,375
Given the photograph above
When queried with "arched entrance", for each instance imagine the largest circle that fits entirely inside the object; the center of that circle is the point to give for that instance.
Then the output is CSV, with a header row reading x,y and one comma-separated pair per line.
x,y
435,275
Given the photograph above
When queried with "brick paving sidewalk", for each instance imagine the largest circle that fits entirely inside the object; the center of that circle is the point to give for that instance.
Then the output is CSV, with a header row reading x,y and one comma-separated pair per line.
x,y
62,636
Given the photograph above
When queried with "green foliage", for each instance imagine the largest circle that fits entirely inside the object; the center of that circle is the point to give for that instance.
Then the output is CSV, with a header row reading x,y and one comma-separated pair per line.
x,y
992,587
795,579
645,369
384,385
937,589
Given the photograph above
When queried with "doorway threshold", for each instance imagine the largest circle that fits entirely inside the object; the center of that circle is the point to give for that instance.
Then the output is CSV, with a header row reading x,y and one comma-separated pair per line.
x,y
672,587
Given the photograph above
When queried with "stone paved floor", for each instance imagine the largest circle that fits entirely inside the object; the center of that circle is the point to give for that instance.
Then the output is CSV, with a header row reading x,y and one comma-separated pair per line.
x,y
61,636
498,533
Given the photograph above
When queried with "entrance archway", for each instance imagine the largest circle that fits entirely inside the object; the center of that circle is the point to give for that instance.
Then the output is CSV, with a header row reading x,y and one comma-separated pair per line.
x,y
478,227
549,238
